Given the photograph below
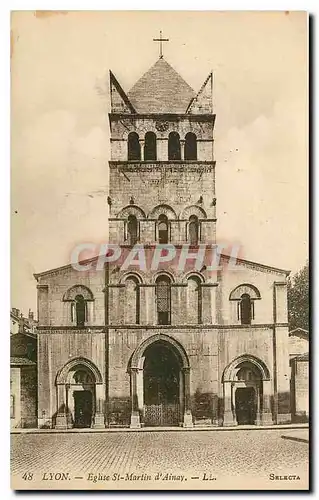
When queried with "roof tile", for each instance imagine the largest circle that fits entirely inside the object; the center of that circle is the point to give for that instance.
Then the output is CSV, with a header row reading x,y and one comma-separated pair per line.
x,y
161,90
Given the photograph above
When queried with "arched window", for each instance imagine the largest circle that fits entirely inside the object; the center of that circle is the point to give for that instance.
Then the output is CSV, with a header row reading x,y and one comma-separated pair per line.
x,y
162,228
190,150
163,300
80,311
133,147
245,306
132,229
132,301
174,146
150,146
194,300
193,230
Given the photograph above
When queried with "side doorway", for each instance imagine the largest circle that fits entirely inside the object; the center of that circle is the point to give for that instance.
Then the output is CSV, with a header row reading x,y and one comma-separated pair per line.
x,y
246,405
83,409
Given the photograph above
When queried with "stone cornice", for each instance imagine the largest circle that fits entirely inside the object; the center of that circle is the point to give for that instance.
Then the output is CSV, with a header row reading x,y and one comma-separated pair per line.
x,y
173,165
170,117
201,326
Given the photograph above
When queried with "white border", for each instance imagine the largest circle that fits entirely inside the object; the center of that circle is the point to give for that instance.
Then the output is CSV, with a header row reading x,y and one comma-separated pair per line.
x,y
5,7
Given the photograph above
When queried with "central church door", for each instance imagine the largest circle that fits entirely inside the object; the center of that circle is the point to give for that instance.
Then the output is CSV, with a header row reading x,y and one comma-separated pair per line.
x,y
161,386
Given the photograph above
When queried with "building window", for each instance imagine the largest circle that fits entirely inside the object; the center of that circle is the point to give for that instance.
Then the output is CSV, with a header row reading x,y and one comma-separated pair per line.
x,y
174,146
132,229
132,301
163,300
133,147
194,300
12,406
163,228
246,309
193,230
150,147
79,310
190,151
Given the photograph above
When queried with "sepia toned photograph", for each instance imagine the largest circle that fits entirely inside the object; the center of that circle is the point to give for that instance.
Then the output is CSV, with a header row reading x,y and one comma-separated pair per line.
x,y
159,322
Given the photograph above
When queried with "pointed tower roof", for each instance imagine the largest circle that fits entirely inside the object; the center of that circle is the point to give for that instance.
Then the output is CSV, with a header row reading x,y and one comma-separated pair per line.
x,y
161,90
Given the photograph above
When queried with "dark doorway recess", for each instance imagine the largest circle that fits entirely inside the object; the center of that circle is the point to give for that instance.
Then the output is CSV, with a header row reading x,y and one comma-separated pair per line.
x,y
246,407
83,407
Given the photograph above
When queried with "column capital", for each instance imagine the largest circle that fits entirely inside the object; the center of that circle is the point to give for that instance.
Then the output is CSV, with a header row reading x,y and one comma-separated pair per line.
x,y
135,369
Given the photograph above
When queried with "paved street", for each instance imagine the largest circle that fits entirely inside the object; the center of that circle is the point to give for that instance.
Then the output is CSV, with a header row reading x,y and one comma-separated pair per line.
x,y
226,457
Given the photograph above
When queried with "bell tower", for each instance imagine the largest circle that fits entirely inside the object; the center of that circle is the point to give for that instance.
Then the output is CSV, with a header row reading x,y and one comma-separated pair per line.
x,y
162,169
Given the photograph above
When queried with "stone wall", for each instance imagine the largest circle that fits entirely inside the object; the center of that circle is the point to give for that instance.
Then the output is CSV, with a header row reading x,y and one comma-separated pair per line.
x,y
29,396
209,352
15,394
55,349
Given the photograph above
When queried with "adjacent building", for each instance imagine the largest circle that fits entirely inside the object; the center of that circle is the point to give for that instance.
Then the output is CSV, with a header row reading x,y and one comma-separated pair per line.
x,y
23,370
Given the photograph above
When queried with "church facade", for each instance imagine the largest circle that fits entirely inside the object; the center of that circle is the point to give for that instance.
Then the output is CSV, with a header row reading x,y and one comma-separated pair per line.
x,y
171,344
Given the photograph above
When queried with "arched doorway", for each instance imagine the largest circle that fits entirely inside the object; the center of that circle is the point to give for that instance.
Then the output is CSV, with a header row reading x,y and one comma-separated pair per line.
x,y
247,392
160,384
80,395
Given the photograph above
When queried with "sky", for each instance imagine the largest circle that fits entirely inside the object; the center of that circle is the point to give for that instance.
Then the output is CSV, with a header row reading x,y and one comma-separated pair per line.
x,y
60,136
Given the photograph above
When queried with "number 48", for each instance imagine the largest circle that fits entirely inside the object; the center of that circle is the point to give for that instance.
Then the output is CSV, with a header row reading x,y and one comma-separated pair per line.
x,y
27,476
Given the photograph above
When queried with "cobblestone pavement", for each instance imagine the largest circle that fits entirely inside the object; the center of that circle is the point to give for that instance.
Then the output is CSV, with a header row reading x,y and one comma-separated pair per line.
x,y
226,456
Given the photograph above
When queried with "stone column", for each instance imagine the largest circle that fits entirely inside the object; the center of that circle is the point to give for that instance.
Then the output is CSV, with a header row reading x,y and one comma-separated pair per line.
x,y
135,414
142,141
188,418
182,143
98,421
229,417
61,418
266,415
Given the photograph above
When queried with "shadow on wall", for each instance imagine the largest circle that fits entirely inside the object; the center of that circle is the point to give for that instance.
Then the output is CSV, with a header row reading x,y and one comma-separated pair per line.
x,y
207,406
119,414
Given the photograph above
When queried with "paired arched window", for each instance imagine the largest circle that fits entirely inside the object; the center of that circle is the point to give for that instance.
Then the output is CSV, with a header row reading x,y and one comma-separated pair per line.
x,y
174,146
193,230
78,297
163,300
194,300
132,230
79,311
246,306
133,147
163,229
150,147
245,296
190,148
132,301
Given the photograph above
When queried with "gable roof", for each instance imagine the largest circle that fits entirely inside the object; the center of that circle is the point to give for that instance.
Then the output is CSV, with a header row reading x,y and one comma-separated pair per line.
x,y
16,361
299,332
161,90
301,357
248,263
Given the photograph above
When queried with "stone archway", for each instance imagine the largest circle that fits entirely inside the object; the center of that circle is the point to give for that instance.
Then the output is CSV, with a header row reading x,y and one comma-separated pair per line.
x,y
247,392
160,383
80,395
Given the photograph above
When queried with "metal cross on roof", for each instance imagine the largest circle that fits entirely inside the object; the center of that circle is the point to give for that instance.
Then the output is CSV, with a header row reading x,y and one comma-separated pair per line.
x,y
161,40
